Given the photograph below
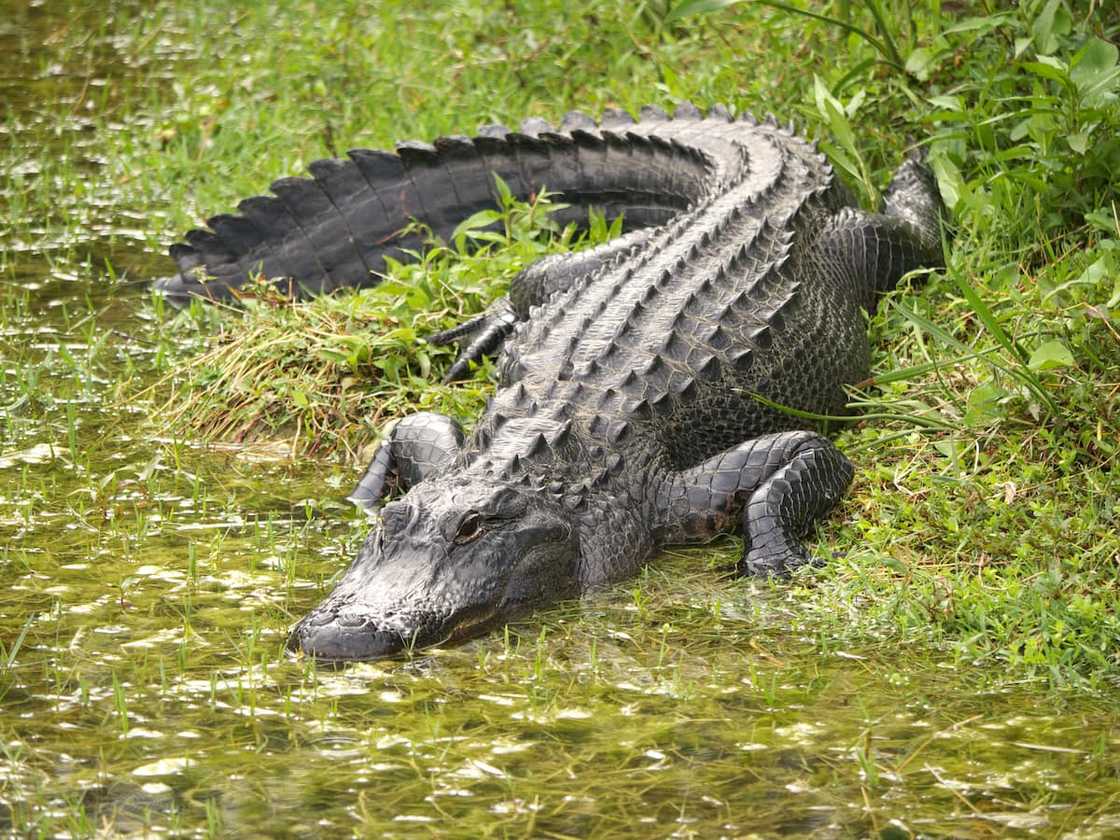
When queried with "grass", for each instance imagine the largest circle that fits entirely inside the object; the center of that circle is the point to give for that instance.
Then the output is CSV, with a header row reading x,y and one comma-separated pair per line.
x,y
951,670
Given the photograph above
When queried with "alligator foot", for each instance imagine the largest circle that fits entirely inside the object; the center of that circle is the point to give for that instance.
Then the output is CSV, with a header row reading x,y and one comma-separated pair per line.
x,y
417,445
772,488
785,506
487,333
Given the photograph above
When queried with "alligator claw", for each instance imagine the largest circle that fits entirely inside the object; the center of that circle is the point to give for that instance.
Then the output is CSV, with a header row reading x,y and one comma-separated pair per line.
x,y
487,333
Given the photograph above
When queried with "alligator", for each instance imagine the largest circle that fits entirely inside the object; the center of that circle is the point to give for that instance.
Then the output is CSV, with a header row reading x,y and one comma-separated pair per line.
x,y
644,385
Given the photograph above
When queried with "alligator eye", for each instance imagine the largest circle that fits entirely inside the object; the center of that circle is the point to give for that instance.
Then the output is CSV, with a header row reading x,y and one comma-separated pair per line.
x,y
470,529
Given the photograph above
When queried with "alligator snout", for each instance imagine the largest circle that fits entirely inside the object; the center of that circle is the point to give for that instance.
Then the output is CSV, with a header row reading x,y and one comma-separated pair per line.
x,y
334,640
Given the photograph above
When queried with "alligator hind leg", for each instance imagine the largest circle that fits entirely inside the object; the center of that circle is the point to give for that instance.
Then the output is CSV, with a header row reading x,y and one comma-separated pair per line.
x,y
417,446
876,249
772,489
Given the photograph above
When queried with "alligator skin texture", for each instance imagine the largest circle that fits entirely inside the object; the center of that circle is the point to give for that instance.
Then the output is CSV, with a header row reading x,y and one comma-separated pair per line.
x,y
627,415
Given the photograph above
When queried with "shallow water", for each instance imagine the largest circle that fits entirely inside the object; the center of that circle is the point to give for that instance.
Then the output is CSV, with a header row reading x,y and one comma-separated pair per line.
x,y
149,585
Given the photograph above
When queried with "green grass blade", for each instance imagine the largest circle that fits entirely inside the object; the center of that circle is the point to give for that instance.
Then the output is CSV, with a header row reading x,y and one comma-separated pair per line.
x,y
14,652
927,422
884,32
1015,371
914,371
694,7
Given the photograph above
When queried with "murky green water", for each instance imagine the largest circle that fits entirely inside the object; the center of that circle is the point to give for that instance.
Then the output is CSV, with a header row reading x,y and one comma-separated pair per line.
x,y
148,585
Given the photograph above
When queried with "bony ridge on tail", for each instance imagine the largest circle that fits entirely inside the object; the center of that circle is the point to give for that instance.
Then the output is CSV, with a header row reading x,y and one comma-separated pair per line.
x,y
625,417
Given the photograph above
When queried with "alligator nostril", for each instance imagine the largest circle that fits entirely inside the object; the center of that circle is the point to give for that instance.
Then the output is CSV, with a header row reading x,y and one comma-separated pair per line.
x,y
352,620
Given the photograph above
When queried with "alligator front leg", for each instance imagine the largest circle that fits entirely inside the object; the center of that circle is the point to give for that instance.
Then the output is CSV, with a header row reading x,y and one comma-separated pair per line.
x,y
487,333
532,287
417,446
771,489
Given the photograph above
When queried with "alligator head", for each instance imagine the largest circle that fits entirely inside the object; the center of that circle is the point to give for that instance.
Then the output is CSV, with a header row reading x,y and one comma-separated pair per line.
x,y
449,559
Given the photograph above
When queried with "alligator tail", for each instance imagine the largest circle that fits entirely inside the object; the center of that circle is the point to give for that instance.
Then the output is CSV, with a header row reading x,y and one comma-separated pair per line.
x,y
337,228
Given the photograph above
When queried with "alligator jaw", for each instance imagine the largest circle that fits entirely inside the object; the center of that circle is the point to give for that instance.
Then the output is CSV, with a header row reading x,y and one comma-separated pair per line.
x,y
327,639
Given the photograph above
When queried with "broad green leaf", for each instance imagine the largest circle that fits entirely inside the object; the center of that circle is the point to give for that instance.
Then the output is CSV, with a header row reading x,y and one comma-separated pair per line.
x,y
1115,299
489,236
830,108
1102,219
920,63
333,356
1092,275
503,190
698,7
300,398
842,162
854,103
1094,63
973,24
893,563
1102,91
671,81
949,447
949,180
1049,68
1051,22
1049,355
475,222
1079,141
405,335
984,404
1096,272
946,102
